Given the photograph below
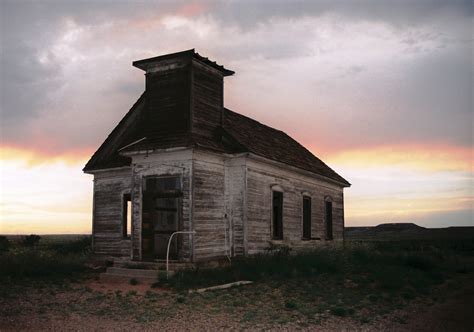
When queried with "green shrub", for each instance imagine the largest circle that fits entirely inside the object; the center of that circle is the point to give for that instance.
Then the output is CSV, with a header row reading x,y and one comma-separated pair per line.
x,y
79,246
387,265
24,263
4,243
339,311
31,240
423,263
278,249
290,305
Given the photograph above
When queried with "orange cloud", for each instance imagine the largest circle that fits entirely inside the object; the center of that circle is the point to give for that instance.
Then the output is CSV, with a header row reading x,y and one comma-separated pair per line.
x,y
33,157
416,157
409,206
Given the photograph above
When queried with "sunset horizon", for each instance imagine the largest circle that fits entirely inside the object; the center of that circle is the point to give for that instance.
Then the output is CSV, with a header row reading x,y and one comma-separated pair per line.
x,y
381,95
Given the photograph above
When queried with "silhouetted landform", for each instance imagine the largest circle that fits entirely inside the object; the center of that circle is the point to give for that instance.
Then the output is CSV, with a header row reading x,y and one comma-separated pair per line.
x,y
397,231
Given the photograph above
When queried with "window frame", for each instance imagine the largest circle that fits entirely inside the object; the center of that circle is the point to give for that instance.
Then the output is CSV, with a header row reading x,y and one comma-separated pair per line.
x,y
127,197
304,237
329,230
276,237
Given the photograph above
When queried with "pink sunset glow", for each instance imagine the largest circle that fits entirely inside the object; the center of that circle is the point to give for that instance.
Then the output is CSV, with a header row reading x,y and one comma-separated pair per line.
x,y
382,94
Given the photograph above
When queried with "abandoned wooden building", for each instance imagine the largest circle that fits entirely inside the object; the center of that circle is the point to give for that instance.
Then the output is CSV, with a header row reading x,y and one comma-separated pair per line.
x,y
179,161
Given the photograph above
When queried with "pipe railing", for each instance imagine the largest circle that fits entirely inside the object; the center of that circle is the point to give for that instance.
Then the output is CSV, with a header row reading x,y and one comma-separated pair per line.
x,y
168,249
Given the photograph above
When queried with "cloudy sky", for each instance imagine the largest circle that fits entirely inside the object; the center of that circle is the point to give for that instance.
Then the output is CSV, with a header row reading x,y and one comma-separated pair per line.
x,y
380,90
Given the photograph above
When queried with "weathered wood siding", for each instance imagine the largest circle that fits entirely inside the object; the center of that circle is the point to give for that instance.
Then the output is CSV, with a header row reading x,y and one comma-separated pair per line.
x,y
260,179
167,105
227,200
107,227
176,163
235,188
207,99
210,223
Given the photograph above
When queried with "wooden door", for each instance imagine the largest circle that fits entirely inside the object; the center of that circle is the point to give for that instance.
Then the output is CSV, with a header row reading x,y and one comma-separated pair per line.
x,y
161,217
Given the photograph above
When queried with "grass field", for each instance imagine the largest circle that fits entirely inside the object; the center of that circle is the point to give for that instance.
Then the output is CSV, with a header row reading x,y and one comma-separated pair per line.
x,y
361,283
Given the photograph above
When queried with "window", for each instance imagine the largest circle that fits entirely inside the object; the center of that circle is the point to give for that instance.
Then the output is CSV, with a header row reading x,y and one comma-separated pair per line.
x,y
328,216
163,185
277,215
306,217
127,215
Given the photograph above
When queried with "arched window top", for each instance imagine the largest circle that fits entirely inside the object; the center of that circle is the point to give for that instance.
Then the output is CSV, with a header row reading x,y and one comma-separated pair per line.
x,y
305,194
327,198
277,187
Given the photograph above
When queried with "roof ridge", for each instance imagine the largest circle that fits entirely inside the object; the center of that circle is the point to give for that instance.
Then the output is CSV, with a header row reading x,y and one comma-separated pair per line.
x,y
252,119
306,154
313,154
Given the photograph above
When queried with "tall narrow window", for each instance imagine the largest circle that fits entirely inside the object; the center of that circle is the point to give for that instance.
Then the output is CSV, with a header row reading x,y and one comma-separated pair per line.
x,y
306,217
277,215
127,216
328,205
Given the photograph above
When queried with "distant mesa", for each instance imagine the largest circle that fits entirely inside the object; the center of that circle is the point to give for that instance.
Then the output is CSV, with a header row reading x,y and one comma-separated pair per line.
x,y
398,227
406,231
389,227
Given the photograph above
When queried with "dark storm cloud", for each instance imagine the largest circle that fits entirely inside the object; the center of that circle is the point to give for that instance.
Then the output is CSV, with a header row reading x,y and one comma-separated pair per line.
x,y
249,13
434,102
28,30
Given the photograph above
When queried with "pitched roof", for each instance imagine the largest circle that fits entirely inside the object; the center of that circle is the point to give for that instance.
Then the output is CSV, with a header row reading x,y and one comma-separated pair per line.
x,y
239,134
107,155
274,144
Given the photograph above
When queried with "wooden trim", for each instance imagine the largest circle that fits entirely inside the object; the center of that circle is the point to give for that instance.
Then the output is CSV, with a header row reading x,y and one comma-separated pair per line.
x,y
296,170
126,196
93,217
277,187
93,172
191,100
244,212
191,209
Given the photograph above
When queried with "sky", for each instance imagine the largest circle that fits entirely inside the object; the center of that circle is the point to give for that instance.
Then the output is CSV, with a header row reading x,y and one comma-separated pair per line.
x,y
380,90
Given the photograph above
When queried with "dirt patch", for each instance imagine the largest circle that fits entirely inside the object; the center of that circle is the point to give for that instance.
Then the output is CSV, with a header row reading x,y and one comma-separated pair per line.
x,y
450,308
92,306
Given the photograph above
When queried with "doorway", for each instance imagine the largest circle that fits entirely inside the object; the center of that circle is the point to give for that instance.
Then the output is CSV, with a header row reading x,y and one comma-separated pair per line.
x,y
161,216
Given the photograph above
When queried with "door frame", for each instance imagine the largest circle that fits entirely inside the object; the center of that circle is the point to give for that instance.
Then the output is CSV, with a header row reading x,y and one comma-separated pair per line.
x,y
176,193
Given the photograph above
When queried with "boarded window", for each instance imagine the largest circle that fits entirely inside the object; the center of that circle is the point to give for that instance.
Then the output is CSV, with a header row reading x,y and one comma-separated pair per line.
x,y
306,218
328,220
127,216
277,215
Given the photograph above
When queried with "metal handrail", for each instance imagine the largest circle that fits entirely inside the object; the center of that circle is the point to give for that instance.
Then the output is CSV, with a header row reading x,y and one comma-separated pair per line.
x,y
168,249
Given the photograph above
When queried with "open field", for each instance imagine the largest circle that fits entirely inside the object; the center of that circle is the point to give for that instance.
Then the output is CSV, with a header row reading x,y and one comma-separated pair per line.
x,y
370,285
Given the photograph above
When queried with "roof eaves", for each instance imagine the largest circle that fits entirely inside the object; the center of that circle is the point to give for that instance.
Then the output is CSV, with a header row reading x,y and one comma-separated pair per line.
x,y
91,164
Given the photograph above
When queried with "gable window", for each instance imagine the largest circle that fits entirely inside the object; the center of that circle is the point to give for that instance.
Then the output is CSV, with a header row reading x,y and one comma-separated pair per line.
x,y
328,217
277,215
306,217
127,215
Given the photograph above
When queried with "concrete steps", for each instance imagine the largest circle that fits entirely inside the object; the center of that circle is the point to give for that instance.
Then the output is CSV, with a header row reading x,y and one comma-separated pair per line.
x,y
123,271
123,275
155,265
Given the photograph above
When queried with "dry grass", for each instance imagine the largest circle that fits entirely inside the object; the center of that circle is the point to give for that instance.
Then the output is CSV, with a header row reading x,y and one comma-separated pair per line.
x,y
356,286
